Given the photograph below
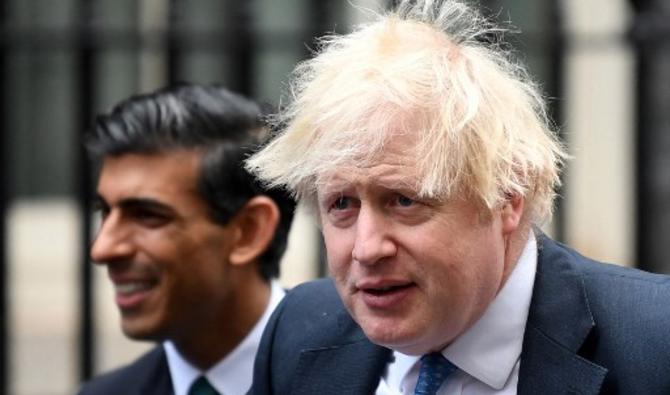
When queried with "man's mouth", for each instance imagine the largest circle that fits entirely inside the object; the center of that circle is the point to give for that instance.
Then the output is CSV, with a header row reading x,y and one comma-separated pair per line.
x,y
385,295
131,287
130,294
386,290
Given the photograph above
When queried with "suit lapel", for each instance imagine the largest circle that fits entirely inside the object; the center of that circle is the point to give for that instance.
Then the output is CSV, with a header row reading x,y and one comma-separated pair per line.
x,y
353,368
353,364
559,323
154,377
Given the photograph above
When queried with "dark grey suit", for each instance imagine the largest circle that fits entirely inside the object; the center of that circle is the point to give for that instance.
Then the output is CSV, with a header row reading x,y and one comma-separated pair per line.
x,y
592,329
148,375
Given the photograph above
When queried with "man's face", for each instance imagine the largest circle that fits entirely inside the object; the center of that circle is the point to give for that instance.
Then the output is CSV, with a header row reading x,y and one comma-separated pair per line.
x,y
166,259
413,273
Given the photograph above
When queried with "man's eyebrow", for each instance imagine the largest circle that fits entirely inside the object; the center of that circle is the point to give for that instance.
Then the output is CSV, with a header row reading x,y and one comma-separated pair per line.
x,y
136,203
144,203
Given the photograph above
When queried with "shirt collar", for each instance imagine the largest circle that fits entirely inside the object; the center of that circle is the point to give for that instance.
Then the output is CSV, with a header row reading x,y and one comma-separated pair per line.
x,y
490,348
233,374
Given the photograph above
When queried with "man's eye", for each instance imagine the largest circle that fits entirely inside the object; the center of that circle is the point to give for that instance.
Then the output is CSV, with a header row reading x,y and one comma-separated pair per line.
x,y
341,203
404,201
150,218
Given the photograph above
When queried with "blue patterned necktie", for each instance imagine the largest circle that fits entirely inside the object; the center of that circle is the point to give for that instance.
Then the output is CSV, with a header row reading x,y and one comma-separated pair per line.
x,y
434,371
202,387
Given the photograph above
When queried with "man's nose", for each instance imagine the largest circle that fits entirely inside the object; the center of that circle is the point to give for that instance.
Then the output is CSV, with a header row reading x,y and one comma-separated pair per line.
x,y
113,241
374,240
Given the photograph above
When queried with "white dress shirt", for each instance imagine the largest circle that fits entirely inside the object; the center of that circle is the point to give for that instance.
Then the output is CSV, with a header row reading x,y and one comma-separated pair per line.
x,y
233,374
487,354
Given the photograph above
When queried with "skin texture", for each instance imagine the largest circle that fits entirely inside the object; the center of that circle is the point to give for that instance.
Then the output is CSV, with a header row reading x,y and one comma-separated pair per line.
x,y
443,261
177,274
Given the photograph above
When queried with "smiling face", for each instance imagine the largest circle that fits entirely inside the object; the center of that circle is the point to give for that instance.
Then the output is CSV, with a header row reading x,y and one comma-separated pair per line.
x,y
414,273
167,260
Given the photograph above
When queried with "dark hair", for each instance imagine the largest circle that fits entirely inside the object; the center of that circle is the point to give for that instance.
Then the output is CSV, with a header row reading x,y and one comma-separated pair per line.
x,y
225,126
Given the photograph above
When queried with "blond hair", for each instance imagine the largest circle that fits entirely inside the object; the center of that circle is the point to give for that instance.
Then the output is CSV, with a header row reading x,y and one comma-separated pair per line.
x,y
431,70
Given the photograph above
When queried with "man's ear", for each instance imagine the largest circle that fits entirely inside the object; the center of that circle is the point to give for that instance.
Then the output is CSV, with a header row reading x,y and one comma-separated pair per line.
x,y
255,226
511,213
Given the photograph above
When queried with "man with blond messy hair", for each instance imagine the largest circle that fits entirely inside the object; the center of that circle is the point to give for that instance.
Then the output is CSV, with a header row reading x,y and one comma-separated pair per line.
x,y
426,154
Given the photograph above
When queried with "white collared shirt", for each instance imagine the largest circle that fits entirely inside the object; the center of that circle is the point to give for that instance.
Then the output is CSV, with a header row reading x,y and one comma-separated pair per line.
x,y
233,374
488,353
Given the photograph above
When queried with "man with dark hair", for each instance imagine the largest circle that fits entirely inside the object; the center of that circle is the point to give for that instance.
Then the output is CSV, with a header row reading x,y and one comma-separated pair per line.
x,y
190,240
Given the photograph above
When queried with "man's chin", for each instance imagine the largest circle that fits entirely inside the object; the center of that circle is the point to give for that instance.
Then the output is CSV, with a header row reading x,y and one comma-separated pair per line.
x,y
384,335
392,336
141,332
405,347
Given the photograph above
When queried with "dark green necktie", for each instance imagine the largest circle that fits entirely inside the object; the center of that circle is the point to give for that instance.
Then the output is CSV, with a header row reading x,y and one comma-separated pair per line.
x,y
202,387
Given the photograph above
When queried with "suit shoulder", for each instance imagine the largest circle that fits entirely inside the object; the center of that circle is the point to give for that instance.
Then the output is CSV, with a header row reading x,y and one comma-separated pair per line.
x,y
313,298
311,317
615,282
627,292
606,275
315,310
610,273
623,301
124,380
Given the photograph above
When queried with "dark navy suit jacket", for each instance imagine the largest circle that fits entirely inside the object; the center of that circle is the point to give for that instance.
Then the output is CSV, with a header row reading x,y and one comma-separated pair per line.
x,y
148,375
592,328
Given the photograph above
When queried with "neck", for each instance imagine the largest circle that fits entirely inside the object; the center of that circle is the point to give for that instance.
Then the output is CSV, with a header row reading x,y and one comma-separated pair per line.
x,y
217,335
515,244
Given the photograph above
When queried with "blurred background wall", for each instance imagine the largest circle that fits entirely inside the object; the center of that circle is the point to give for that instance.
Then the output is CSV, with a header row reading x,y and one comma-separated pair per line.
x,y
605,64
